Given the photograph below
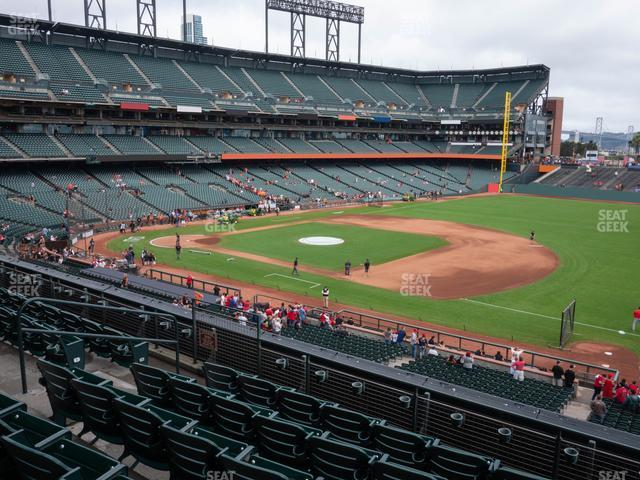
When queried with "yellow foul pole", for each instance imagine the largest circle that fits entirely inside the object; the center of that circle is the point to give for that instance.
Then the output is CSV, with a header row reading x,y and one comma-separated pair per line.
x,y
505,136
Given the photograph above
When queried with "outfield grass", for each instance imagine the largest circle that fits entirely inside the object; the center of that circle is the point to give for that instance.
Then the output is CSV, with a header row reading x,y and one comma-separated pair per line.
x,y
379,246
600,270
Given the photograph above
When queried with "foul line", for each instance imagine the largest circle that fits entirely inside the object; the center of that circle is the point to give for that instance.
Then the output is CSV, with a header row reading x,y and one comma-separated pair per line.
x,y
293,278
549,317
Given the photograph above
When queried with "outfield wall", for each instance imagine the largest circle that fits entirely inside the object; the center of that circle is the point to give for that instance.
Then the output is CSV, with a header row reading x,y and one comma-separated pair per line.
x,y
573,192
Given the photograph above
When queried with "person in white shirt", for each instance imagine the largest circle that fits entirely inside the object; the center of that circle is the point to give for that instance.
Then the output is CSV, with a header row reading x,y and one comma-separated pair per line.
x,y
277,325
242,320
432,351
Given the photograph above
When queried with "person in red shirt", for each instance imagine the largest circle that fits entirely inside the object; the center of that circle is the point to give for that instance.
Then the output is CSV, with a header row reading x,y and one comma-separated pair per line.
x,y
607,387
518,366
189,281
621,395
636,318
597,385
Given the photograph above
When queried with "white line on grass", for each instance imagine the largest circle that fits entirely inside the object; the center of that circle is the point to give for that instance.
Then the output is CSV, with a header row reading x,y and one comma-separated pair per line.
x,y
201,252
293,278
621,332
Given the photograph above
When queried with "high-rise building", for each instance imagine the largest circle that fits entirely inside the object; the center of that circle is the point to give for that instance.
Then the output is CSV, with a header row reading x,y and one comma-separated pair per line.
x,y
194,29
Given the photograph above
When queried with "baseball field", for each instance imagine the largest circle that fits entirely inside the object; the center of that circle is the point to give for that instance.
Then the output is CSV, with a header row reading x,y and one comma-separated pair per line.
x,y
467,263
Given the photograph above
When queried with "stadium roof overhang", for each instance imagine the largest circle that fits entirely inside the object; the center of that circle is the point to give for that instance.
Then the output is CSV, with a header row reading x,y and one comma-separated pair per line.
x,y
192,48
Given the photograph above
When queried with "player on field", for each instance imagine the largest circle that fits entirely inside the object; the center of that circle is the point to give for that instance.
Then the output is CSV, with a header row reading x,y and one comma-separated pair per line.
x,y
295,267
178,246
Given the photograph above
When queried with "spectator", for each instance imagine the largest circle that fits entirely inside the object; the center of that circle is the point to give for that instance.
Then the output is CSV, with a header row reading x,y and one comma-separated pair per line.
x,y
607,387
124,282
242,319
277,326
401,335
518,367
387,336
189,281
598,409
632,403
432,340
467,361
598,381
558,373
570,377
422,345
413,340
621,394
433,351
325,297
499,356
451,360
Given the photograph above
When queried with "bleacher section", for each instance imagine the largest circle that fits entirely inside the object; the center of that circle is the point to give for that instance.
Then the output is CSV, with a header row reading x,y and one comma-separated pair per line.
x,y
530,392
595,177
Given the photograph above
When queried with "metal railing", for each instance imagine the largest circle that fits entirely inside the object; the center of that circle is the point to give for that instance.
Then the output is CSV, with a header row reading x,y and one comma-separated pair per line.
x,y
144,314
201,285
538,439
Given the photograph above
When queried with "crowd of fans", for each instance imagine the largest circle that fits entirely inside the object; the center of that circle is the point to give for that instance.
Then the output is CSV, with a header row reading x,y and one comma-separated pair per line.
x,y
606,388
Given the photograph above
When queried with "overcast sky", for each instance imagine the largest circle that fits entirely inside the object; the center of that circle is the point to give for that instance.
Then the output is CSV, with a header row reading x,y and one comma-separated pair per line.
x,y
590,45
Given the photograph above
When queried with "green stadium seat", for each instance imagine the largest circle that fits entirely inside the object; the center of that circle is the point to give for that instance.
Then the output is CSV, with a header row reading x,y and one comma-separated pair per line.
x,y
507,473
456,464
384,470
153,383
235,419
60,459
38,431
194,453
97,404
258,391
221,377
284,442
299,407
61,395
141,432
348,426
402,446
192,399
335,460
9,405
257,468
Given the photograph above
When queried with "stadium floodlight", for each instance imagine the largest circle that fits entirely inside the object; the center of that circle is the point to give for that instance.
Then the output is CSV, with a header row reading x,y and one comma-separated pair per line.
x,y
333,12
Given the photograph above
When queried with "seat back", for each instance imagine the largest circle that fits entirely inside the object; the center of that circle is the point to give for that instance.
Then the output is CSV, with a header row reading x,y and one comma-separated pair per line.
x,y
232,418
98,411
299,407
141,434
257,391
347,425
284,442
190,399
507,473
392,471
37,431
126,352
258,468
93,465
61,395
152,383
334,460
190,456
220,377
458,464
402,446
33,464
